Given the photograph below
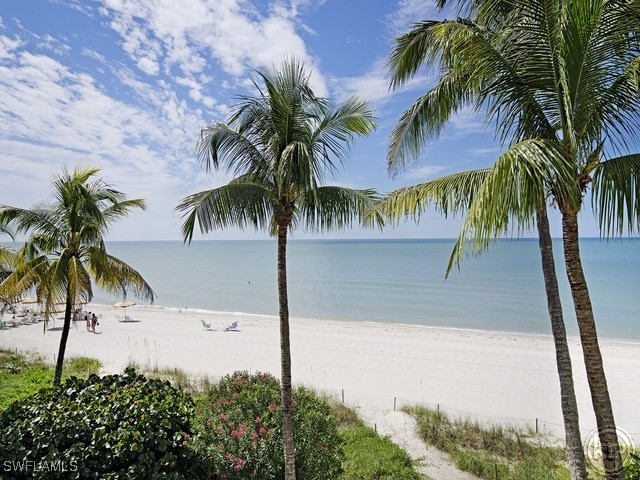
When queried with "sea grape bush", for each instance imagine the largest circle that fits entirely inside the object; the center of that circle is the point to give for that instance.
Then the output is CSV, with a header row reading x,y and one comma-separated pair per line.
x,y
114,427
239,430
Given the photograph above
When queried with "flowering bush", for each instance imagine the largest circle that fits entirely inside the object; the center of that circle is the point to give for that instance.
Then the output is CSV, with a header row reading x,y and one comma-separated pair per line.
x,y
239,430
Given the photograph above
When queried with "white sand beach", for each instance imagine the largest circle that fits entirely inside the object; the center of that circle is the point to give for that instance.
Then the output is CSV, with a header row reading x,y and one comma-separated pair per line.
x,y
494,376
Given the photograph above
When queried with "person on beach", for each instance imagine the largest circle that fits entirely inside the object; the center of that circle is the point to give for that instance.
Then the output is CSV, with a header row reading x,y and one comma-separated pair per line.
x,y
94,322
88,320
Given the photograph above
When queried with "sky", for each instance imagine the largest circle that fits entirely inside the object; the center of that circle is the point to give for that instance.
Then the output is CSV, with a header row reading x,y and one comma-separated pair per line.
x,y
126,85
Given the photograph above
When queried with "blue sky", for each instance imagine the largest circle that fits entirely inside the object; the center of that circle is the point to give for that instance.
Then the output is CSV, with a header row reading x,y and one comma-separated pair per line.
x,y
126,85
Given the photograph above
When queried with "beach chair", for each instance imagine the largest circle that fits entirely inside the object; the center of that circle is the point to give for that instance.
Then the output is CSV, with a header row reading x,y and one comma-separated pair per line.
x,y
127,318
206,326
232,328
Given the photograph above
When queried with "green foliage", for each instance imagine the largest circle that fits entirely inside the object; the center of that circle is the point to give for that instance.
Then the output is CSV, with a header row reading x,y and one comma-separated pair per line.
x,y
370,456
483,450
114,427
239,430
632,466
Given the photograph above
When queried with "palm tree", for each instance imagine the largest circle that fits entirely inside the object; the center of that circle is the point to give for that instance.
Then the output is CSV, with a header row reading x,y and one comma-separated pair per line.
x,y
558,71
456,193
280,144
65,251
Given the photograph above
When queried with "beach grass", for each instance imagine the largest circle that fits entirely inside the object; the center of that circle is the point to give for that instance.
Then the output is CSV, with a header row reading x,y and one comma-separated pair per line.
x,y
491,451
367,454
22,375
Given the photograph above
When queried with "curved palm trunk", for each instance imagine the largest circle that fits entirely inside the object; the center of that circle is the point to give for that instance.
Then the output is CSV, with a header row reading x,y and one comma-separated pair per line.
x,y
63,342
285,355
569,404
591,350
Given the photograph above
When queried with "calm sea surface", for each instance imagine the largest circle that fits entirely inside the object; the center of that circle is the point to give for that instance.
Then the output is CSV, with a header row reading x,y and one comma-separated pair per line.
x,y
394,281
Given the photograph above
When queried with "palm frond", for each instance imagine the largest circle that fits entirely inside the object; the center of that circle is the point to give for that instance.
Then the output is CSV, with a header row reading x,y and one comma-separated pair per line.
x,y
333,208
235,204
221,144
514,189
450,195
120,209
616,195
115,276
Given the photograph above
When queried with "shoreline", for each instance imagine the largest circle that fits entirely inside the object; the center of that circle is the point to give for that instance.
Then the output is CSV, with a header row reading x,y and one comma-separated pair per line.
x,y
205,311
495,376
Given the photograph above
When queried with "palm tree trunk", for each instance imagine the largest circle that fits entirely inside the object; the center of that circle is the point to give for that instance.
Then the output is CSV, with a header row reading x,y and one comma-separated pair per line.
x,y
285,355
63,342
568,401
591,350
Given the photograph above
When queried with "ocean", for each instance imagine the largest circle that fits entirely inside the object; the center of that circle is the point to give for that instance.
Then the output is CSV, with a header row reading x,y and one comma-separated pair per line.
x,y
391,281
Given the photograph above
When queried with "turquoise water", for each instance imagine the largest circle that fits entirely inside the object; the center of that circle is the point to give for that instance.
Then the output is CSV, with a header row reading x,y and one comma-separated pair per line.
x,y
395,281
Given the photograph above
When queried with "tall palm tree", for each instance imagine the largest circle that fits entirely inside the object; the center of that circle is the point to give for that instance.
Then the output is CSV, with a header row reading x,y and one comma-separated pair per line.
x,y
66,247
560,71
455,194
280,144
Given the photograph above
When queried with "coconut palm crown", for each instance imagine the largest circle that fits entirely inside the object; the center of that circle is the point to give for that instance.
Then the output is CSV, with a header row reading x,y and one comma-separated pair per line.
x,y
65,252
280,145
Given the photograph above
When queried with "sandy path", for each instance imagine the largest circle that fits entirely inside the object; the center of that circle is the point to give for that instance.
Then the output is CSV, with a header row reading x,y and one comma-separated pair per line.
x,y
402,430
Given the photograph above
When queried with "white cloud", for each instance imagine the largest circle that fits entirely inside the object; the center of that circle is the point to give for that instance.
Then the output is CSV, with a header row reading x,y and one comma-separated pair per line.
x,y
8,45
148,66
421,173
234,33
465,122
51,115
53,44
482,152
373,85
87,52
409,12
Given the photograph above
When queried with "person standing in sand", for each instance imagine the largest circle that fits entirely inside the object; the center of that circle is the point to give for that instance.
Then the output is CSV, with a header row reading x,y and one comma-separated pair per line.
x,y
87,319
94,322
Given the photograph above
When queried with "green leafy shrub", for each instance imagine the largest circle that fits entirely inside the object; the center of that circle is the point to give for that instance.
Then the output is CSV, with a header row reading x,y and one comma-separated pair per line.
x,y
239,430
114,427
632,466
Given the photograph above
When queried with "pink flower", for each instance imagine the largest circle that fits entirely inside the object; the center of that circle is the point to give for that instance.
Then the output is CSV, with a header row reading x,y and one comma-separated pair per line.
x,y
219,429
254,435
272,406
221,448
235,394
262,431
258,420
